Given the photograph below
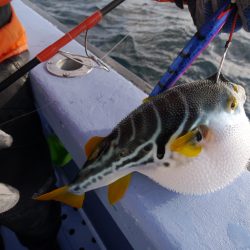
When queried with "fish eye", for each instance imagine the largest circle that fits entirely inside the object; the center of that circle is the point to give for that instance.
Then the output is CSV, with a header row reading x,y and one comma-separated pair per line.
x,y
232,103
198,136
202,132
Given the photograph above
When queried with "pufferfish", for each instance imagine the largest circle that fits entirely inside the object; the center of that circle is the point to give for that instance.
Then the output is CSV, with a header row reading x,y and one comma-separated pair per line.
x,y
193,139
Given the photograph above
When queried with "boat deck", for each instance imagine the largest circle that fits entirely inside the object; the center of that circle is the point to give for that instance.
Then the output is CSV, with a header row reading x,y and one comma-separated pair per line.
x,y
75,233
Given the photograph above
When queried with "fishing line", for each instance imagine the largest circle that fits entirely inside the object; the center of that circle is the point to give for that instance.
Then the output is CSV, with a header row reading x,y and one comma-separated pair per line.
x,y
53,48
194,47
227,45
70,56
99,63
116,45
28,113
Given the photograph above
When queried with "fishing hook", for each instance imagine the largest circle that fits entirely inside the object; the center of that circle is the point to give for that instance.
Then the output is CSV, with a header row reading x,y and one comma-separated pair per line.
x,y
227,45
95,59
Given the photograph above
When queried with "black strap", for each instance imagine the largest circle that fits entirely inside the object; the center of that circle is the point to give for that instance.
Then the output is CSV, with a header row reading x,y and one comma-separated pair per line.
x,y
8,67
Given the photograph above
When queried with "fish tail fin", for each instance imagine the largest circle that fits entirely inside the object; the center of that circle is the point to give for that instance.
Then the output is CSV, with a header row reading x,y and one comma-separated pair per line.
x,y
63,195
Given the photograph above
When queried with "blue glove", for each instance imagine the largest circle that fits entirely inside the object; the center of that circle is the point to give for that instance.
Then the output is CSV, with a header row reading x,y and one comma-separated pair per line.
x,y
201,10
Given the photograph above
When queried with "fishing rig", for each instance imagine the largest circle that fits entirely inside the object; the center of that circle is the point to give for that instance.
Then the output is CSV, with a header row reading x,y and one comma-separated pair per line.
x,y
197,44
182,62
85,207
52,49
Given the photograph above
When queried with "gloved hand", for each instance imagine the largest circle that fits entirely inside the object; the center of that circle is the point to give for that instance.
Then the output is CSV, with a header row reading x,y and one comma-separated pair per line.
x,y
5,140
201,10
244,12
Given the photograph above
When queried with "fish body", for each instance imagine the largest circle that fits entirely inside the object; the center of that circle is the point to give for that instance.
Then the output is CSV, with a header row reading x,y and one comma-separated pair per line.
x,y
193,139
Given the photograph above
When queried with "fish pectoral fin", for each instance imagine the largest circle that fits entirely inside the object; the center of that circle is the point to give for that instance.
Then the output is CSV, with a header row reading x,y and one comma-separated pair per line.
x,y
184,145
147,99
92,144
63,195
117,189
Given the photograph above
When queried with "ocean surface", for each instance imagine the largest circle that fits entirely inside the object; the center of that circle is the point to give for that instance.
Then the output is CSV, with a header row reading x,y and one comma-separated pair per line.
x,y
156,32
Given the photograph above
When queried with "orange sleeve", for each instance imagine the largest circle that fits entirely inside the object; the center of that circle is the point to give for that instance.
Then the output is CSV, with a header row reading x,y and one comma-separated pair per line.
x,y
13,38
4,2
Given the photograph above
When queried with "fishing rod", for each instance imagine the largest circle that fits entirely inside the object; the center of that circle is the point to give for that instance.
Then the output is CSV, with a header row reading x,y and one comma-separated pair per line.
x,y
195,46
52,49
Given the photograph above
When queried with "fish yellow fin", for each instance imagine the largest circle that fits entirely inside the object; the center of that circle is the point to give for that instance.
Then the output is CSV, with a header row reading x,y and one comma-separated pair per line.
x,y
184,146
63,195
117,189
92,144
147,99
